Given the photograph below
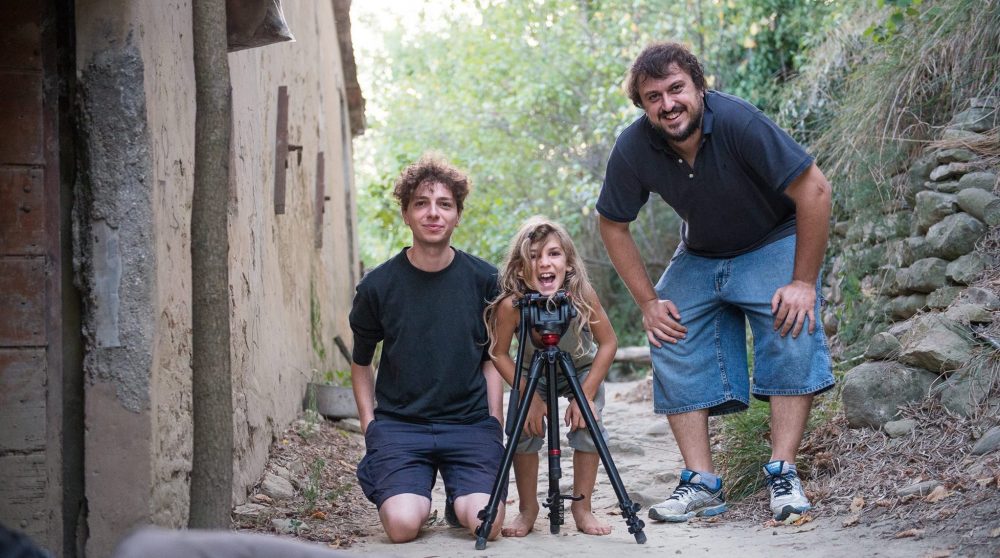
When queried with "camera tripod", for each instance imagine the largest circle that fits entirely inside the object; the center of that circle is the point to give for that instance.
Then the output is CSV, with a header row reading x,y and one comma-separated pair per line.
x,y
550,316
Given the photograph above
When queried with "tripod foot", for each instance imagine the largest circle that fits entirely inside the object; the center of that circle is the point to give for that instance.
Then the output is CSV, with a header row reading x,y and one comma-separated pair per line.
x,y
480,543
640,537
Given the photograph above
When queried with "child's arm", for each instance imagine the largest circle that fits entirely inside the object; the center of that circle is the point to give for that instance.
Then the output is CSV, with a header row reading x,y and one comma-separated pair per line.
x,y
507,320
607,345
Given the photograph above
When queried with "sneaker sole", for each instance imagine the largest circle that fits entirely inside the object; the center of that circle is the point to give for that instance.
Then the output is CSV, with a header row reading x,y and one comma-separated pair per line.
x,y
788,510
704,512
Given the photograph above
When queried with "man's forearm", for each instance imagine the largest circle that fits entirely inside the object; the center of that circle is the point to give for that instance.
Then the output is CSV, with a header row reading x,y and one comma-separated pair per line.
x,y
494,390
363,384
624,255
811,194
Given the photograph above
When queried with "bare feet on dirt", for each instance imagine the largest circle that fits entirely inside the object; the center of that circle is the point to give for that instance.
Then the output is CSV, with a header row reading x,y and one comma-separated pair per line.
x,y
587,522
522,524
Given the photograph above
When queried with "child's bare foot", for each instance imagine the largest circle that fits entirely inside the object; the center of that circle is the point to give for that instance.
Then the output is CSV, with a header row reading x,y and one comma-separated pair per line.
x,y
587,522
522,524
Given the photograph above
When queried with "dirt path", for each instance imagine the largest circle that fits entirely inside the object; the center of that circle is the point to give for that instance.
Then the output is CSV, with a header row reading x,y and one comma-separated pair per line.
x,y
648,460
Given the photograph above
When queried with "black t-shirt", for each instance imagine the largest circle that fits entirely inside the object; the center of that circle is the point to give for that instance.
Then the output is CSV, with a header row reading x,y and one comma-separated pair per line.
x,y
733,200
434,338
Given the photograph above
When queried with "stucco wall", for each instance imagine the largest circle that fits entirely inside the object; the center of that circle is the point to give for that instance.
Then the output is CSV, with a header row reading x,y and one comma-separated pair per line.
x,y
275,264
137,96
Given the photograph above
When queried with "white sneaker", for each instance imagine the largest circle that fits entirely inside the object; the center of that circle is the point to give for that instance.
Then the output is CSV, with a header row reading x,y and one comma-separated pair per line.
x,y
787,497
691,498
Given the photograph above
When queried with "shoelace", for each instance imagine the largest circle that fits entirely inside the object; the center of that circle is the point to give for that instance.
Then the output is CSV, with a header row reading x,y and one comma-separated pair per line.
x,y
684,489
781,485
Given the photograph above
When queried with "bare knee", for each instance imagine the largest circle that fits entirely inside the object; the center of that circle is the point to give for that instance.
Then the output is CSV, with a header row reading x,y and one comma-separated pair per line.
x,y
403,515
467,509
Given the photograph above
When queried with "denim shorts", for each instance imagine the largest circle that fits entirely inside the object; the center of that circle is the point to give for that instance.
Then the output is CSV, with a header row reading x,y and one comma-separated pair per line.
x,y
716,298
578,439
405,458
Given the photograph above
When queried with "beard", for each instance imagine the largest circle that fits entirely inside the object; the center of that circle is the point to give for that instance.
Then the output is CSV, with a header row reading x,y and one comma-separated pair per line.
x,y
693,125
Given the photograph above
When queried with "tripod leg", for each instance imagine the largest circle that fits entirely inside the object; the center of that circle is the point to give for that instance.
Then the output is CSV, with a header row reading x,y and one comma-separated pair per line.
x,y
628,508
489,514
555,503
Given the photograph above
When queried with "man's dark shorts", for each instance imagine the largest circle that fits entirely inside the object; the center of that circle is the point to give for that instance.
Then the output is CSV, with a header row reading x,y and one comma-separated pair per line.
x,y
405,457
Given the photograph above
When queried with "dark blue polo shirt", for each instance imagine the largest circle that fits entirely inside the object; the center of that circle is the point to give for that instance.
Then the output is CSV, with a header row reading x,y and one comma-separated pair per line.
x,y
733,200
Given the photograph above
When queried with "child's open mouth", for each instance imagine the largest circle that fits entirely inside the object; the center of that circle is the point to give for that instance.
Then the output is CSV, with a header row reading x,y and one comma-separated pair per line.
x,y
547,280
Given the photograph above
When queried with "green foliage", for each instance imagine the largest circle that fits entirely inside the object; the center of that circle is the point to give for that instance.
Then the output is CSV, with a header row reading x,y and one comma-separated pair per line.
x,y
526,96
311,492
899,10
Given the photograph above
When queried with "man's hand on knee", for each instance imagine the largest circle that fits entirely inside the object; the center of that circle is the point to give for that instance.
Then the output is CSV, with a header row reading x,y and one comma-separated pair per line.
x,y
791,305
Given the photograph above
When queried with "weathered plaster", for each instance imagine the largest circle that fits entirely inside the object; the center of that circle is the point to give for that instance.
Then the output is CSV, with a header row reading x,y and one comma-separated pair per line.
x,y
137,134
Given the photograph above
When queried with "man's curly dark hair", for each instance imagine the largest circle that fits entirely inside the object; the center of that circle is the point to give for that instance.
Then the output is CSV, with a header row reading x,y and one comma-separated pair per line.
x,y
654,61
429,169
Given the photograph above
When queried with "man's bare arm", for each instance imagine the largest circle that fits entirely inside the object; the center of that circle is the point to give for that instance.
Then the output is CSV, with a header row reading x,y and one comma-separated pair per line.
x,y
363,383
660,318
795,302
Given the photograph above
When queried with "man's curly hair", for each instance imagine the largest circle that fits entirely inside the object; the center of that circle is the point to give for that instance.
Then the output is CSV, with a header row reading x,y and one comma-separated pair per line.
x,y
655,60
429,169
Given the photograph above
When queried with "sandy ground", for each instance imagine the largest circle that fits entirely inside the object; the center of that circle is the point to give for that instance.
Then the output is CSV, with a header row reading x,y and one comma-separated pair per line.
x,y
648,461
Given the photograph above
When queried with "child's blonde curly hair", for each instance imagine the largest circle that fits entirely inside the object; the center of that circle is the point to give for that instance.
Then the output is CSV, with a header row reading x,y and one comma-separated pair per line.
x,y
517,265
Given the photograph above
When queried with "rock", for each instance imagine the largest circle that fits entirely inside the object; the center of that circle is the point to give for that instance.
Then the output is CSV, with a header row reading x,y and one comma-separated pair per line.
x,y
658,428
883,346
903,307
978,119
830,323
955,235
984,101
840,228
349,424
951,170
919,489
963,136
918,175
965,390
288,526
954,155
282,472
980,204
967,313
913,248
666,477
966,269
931,207
646,498
873,391
296,467
624,446
984,297
276,487
947,187
899,329
248,510
988,443
899,428
979,180
936,343
943,297
923,276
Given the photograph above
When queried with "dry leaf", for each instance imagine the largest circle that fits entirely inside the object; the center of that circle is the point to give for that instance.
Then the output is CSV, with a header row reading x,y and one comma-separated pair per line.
x,y
857,504
883,503
915,533
802,520
319,515
939,493
851,521
984,483
943,553
995,533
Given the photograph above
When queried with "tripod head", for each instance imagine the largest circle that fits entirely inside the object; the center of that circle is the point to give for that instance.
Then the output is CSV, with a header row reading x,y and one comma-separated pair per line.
x,y
548,315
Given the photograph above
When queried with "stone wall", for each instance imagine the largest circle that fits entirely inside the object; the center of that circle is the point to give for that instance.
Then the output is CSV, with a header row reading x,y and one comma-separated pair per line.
x,y
920,262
